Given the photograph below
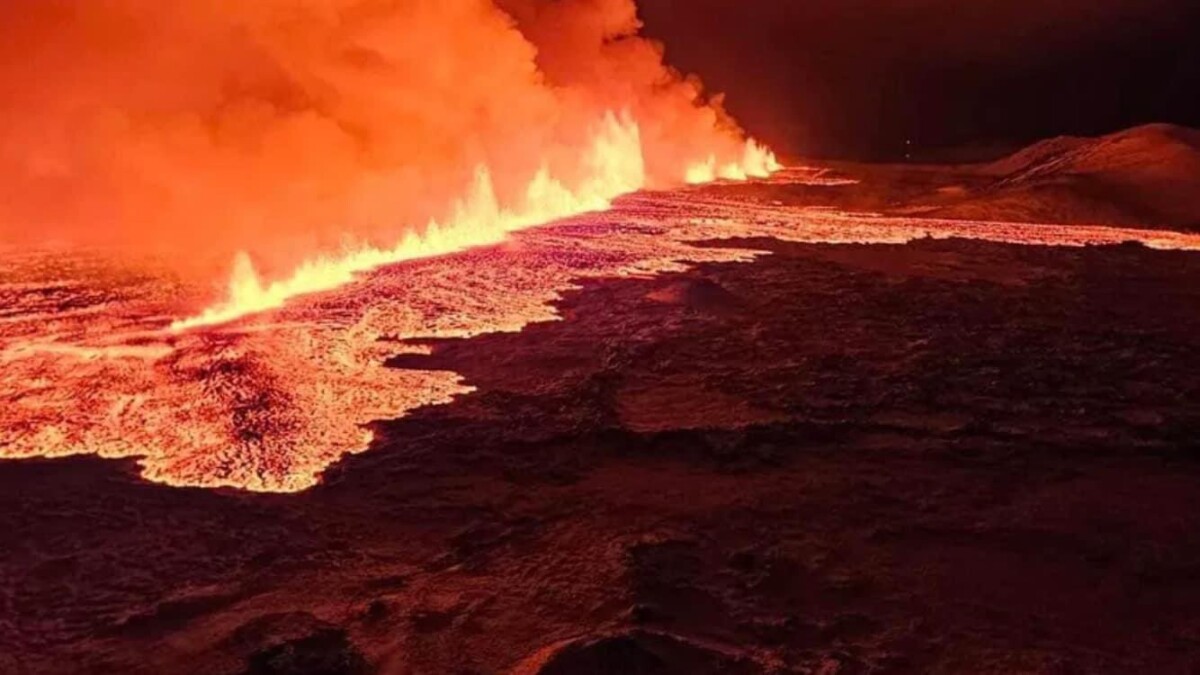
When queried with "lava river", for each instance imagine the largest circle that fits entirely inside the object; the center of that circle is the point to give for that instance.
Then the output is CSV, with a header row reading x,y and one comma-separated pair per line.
x,y
90,365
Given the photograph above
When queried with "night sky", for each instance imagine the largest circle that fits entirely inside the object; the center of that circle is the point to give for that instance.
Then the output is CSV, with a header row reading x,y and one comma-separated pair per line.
x,y
858,78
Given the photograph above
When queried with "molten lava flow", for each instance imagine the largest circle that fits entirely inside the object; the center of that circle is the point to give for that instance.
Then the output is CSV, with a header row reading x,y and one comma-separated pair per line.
x,y
315,143
267,403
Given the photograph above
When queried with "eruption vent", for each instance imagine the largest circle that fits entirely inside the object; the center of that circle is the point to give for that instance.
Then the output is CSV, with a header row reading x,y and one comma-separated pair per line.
x,y
310,140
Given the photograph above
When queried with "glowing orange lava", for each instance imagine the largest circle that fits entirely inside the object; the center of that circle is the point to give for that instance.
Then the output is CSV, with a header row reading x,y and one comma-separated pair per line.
x,y
615,167
268,401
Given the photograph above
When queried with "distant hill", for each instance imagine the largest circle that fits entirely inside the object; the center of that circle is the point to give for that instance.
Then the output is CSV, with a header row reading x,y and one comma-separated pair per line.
x,y
1148,176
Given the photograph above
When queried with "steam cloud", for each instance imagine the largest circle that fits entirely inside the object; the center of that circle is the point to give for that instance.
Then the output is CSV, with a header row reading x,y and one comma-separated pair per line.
x,y
289,127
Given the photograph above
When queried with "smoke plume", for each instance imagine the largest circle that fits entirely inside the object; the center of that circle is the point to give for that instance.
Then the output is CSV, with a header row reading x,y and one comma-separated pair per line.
x,y
294,128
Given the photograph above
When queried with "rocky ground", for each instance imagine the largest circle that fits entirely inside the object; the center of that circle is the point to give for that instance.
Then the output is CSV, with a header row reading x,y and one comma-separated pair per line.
x,y
951,456
1147,176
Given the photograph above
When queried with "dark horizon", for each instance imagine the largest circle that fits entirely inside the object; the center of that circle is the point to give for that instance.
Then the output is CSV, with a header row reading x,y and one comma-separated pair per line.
x,y
858,79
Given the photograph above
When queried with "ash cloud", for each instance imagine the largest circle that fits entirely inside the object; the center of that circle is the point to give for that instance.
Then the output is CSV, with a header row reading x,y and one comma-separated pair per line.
x,y
288,127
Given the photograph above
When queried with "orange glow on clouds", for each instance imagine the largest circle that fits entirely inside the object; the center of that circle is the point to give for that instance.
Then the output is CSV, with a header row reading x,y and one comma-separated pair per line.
x,y
317,138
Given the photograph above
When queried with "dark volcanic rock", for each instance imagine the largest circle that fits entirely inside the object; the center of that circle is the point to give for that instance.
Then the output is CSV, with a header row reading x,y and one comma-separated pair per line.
x,y
698,295
1146,176
327,652
640,653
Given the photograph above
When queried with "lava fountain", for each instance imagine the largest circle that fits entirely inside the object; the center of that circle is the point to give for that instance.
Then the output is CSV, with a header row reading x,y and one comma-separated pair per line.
x,y
616,167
